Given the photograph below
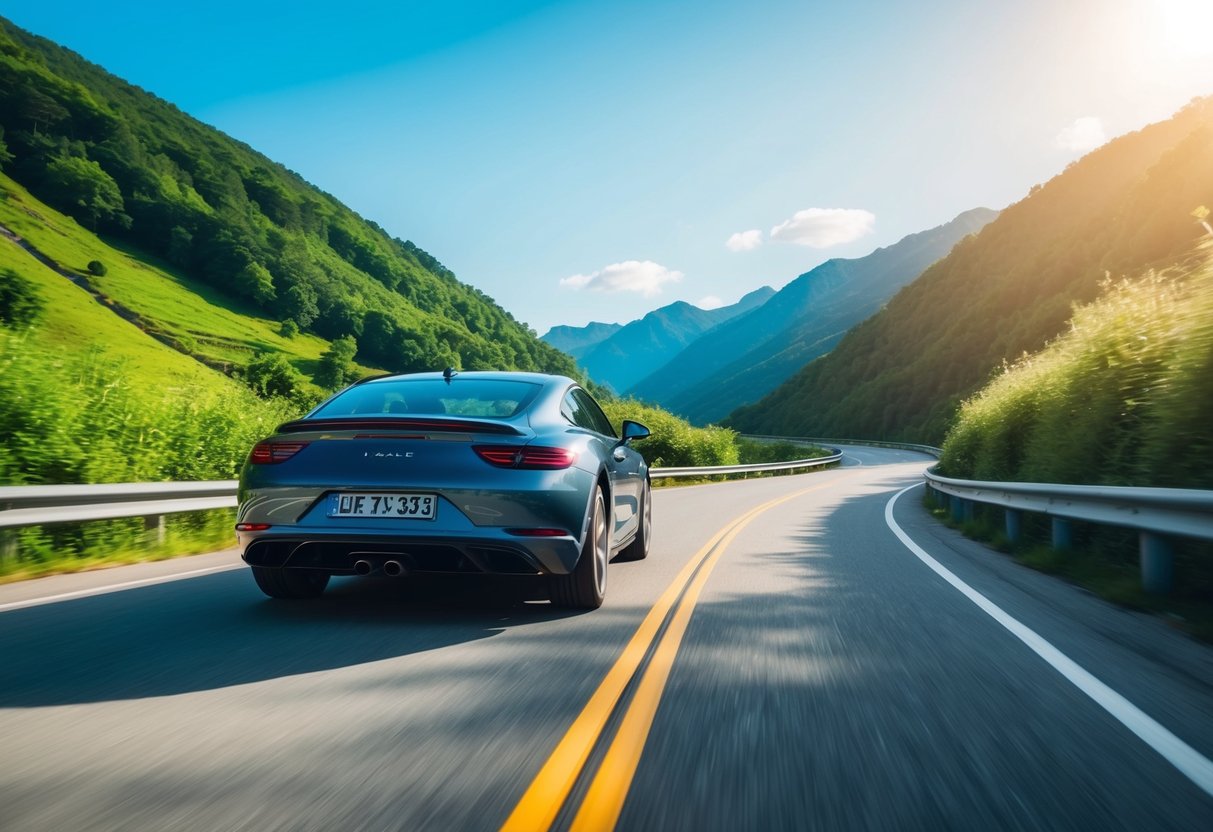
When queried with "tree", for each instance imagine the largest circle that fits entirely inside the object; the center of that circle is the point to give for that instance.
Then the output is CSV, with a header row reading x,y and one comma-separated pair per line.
x,y
299,304
336,366
86,191
270,374
256,282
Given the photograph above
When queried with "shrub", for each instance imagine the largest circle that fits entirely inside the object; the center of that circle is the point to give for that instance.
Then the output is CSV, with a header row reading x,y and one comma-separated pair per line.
x,y
674,443
20,302
96,267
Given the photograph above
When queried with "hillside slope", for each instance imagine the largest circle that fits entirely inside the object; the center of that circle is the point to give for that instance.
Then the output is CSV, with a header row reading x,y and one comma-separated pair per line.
x,y
902,373
646,344
740,361
1123,397
137,170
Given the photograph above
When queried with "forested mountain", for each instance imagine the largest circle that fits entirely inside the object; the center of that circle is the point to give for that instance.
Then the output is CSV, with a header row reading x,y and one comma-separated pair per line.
x,y
134,168
749,356
578,340
901,374
648,343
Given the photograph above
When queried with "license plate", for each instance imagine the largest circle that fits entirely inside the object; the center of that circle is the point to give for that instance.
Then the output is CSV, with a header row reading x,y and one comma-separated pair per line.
x,y
375,504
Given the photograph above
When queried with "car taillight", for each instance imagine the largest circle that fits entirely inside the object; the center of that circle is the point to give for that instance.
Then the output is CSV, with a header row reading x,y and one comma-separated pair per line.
x,y
271,453
532,457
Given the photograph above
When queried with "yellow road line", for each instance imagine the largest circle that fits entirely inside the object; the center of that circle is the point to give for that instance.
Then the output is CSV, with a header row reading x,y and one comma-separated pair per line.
x,y
604,801
543,799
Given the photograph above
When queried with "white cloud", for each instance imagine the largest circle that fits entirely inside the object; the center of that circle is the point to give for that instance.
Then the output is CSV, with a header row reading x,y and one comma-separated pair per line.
x,y
643,276
1084,134
744,240
824,227
710,302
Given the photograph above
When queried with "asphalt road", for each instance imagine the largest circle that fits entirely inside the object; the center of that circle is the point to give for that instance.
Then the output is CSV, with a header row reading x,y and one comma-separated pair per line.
x,y
827,678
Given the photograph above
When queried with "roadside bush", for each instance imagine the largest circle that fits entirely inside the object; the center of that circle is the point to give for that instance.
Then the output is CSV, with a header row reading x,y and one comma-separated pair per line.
x,y
97,268
674,443
20,302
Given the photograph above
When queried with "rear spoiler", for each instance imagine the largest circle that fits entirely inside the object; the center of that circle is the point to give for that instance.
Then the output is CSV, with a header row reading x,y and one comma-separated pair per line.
x,y
394,423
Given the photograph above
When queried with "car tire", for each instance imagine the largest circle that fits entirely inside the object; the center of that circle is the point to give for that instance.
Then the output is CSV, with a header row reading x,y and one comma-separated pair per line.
x,y
585,587
290,583
638,549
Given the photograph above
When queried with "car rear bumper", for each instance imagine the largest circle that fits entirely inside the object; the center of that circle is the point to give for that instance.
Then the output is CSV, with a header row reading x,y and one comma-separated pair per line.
x,y
490,552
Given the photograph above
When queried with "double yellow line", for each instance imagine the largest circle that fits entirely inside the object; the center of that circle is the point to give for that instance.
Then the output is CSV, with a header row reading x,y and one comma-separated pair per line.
x,y
600,808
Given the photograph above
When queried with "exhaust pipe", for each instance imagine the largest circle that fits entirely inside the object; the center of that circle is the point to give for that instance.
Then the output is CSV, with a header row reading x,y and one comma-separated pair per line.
x,y
393,569
362,567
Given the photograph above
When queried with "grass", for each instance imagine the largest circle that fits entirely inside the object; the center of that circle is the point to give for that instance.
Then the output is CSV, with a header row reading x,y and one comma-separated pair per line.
x,y
217,327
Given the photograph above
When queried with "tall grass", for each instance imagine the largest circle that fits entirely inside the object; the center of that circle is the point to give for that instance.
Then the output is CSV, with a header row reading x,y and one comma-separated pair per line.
x,y
79,419
1124,398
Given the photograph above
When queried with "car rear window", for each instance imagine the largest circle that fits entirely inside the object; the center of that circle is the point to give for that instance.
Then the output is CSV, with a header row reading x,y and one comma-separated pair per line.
x,y
479,398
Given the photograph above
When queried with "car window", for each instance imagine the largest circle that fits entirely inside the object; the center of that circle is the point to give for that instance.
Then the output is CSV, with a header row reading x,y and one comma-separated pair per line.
x,y
598,420
480,398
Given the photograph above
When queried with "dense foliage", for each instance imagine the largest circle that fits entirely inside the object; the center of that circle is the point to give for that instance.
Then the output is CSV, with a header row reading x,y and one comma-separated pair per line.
x,y
674,442
1123,398
20,303
125,163
902,373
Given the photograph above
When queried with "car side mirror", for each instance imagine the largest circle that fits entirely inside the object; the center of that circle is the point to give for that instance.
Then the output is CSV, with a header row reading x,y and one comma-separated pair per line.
x,y
633,430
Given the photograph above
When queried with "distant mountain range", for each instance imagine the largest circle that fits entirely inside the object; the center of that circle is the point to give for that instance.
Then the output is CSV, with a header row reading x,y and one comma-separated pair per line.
x,y
742,359
619,356
1122,209
578,340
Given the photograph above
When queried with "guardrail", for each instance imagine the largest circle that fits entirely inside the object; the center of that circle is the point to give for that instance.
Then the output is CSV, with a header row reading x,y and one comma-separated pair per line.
x,y
758,467
930,450
1158,514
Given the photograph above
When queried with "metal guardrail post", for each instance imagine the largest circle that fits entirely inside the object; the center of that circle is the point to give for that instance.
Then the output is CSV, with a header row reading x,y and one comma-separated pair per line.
x,y
8,539
156,527
1157,562
1014,521
1063,533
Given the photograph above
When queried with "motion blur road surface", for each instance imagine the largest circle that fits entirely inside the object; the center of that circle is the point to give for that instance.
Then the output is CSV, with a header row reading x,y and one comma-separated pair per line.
x,y
828,679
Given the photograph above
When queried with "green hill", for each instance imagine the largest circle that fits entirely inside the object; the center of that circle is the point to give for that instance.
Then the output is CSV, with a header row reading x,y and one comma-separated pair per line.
x,y
233,227
902,373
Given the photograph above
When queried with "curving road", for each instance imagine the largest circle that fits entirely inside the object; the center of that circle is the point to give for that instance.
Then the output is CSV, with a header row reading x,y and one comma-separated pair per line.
x,y
783,660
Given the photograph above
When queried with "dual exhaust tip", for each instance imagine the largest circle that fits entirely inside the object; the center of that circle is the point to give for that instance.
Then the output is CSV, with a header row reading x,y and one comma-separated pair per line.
x,y
391,568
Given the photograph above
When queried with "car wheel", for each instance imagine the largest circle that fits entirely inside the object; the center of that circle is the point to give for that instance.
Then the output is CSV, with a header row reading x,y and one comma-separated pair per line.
x,y
585,587
290,583
638,549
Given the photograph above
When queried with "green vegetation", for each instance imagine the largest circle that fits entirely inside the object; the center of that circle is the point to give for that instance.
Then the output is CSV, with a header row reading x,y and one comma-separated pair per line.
x,y
676,443
1123,398
237,229
70,418
20,302
901,374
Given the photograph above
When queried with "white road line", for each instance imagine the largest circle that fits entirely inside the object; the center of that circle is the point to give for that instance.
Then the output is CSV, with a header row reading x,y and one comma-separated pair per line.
x,y
1194,765
105,590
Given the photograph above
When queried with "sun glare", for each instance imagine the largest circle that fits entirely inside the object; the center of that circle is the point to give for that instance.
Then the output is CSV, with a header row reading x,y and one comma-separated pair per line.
x,y
1187,27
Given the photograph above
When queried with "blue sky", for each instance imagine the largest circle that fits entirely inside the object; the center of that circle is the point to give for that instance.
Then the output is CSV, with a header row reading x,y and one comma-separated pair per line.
x,y
588,161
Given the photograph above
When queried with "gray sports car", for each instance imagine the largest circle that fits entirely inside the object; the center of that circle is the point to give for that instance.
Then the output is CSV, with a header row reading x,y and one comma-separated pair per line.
x,y
472,472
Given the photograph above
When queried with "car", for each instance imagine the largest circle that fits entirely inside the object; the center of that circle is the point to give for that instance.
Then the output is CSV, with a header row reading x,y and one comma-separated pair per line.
x,y
500,473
